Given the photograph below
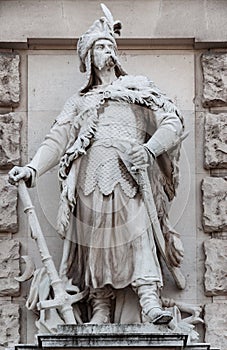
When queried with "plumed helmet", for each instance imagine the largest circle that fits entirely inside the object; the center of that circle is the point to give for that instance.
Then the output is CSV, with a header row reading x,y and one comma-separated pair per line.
x,y
103,28
100,29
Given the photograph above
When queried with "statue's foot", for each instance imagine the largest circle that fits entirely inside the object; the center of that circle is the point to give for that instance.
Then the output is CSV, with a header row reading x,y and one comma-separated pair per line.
x,y
159,316
100,310
100,317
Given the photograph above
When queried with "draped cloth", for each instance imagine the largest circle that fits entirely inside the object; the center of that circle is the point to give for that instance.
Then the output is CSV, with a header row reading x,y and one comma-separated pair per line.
x,y
113,241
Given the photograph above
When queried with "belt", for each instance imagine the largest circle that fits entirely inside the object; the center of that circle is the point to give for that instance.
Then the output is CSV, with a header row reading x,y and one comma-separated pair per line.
x,y
121,144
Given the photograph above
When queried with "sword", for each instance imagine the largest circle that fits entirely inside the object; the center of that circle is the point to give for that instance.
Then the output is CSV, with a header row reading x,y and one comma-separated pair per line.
x,y
143,181
140,175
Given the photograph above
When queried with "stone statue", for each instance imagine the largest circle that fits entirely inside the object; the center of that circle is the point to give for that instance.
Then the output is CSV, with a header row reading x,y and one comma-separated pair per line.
x,y
116,128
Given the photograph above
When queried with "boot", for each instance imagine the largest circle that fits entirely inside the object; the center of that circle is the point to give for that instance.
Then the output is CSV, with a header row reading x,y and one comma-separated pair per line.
x,y
151,306
100,310
101,304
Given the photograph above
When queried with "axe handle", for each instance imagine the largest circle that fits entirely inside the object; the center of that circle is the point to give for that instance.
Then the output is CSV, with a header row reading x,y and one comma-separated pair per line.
x,y
59,291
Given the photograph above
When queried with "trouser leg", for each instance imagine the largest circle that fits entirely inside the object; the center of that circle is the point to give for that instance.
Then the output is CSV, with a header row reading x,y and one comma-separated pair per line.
x,y
150,303
100,300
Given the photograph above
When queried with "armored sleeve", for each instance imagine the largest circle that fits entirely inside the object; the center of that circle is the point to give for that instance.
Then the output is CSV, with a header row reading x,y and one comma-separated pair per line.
x,y
168,133
55,142
51,150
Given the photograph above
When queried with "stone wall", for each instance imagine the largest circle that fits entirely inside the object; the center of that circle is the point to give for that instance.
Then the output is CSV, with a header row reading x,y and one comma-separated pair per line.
x,y
10,126
177,58
214,192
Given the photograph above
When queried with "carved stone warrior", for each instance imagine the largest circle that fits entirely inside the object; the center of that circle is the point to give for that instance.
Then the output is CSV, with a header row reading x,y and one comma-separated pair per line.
x,y
115,126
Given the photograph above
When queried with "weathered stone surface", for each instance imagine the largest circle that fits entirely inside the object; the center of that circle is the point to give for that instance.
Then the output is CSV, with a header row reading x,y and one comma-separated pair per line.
x,y
214,79
215,146
8,206
216,325
10,125
9,325
9,267
214,204
204,20
9,79
113,336
216,267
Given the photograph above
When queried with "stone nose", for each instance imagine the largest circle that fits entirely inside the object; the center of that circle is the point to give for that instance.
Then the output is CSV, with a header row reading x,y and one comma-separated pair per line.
x,y
108,49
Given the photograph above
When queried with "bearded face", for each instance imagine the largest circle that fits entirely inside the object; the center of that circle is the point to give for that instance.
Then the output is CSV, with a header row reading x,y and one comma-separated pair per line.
x,y
103,54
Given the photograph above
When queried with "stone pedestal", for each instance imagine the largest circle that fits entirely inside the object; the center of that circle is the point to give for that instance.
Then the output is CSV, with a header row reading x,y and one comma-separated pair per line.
x,y
136,336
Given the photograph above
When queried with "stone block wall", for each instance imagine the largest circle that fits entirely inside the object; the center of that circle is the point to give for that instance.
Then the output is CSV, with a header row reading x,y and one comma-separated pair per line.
x,y
9,78
214,192
215,146
10,129
13,148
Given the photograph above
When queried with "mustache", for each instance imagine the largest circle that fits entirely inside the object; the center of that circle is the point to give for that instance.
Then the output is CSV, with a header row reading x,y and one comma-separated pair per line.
x,y
111,60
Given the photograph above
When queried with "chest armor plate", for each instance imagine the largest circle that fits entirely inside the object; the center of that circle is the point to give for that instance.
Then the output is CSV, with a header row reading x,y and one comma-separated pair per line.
x,y
118,127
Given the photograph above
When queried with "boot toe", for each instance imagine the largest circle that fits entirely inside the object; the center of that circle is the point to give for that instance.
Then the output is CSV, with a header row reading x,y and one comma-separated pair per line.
x,y
159,316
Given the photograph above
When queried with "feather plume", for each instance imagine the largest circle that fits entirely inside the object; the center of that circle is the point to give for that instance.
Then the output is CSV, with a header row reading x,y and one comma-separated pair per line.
x,y
116,25
108,14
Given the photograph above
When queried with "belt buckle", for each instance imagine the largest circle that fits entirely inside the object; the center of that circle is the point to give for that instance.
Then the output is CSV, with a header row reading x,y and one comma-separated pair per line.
x,y
106,94
107,142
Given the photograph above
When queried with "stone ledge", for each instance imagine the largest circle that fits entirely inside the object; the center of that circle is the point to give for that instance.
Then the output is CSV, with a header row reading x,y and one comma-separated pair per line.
x,y
124,336
113,328
202,346
46,43
114,335
154,341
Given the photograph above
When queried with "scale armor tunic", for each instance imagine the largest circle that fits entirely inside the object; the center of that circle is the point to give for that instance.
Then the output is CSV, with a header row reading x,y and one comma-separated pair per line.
x,y
102,166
